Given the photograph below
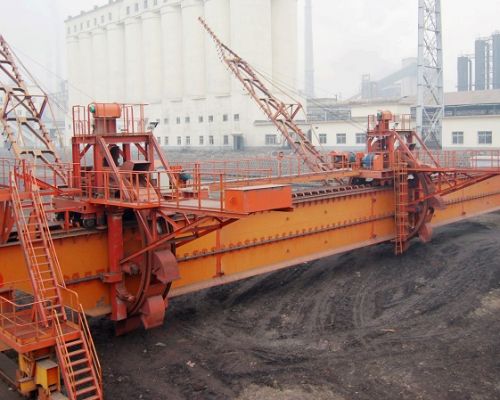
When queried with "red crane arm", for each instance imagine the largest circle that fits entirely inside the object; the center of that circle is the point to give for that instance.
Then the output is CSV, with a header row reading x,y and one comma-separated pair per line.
x,y
281,114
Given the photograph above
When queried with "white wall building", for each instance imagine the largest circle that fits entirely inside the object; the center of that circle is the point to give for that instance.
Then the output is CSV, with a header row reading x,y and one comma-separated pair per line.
x,y
156,52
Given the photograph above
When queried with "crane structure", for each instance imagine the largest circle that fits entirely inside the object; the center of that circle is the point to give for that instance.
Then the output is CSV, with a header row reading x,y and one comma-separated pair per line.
x,y
430,84
118,231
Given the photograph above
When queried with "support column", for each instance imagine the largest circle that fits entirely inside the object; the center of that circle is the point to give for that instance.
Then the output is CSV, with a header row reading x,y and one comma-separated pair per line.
x,y
115,254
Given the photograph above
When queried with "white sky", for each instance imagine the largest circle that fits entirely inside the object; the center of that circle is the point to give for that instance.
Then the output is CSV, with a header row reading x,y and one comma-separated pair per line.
x,y
352,37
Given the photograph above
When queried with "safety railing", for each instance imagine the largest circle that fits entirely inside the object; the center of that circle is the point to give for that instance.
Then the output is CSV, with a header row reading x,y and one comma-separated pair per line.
x,y
479,160
131,121
195,188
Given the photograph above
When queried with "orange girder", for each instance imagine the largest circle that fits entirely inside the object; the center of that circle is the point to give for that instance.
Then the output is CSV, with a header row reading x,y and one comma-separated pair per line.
x,y
257,244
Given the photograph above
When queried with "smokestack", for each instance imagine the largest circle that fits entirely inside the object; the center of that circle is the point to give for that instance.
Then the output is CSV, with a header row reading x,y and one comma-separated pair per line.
x,y
309,50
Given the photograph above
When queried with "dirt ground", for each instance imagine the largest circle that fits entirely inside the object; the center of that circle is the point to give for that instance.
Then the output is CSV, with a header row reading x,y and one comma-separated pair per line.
x,y
363,325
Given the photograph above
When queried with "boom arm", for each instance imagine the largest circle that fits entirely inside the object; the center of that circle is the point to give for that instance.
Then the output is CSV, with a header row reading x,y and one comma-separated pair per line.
x,y
21,115
281,115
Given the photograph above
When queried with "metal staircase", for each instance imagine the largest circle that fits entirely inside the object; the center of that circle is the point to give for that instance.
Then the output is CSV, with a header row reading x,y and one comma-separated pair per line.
x,y
39,253
77,356
401,204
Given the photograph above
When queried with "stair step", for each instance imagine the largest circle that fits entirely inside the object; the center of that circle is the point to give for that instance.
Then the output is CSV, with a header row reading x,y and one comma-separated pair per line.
x,y
84,380
76,352
86,390
96,397
73,343
79,362
82,371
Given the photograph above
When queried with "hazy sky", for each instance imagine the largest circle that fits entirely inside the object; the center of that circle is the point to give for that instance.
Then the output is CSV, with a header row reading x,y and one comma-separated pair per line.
x,y
352,37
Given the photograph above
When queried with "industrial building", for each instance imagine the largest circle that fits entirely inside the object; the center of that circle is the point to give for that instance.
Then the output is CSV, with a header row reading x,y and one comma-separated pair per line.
x,y
156,52
471,121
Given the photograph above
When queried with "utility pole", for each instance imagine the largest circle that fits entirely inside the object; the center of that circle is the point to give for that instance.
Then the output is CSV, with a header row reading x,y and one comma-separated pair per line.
x,y
430,95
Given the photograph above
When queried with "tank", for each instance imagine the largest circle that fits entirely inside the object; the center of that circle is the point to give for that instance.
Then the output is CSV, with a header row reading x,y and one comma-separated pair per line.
x,y
480,64
495,40
86,83
463,73
74,73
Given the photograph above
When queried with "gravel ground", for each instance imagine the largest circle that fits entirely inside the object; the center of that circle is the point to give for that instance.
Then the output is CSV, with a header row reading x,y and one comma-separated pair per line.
x,y
362,325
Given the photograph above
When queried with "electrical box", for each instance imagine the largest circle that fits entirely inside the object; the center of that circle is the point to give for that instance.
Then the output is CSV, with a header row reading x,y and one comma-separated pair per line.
x,y
47,373
249,199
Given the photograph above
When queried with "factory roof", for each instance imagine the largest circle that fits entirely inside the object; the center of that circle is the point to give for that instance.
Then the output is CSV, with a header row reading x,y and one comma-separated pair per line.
x,y
472,97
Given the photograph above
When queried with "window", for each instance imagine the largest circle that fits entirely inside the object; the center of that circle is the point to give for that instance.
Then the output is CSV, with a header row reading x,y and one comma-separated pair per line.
x,y
102,19
158,139
95,21
322,138
128,10
236,117
270,140
188,140
226,140
74,28
187,120
210,118
155,2
210,140
165,140
136,7
200,119
484,137
360,138
224,118
178,120
81,25
145,3
88,24
457,137
341,138
110,16
179,140
201,140
165,121
68,30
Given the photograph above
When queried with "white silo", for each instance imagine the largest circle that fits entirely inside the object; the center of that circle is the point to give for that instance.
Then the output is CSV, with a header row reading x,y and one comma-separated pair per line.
x,y
251,33
151,56
171,26
217,16
74,73
133,61
99,64
284,39
86,58
193,49
116,63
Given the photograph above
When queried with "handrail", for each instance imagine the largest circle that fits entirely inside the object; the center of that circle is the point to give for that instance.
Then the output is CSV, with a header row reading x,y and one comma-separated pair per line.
x,y
90,341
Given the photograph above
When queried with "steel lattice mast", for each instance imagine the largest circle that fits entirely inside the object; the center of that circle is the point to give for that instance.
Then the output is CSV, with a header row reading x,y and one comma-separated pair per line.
x,y
21,115
430,97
